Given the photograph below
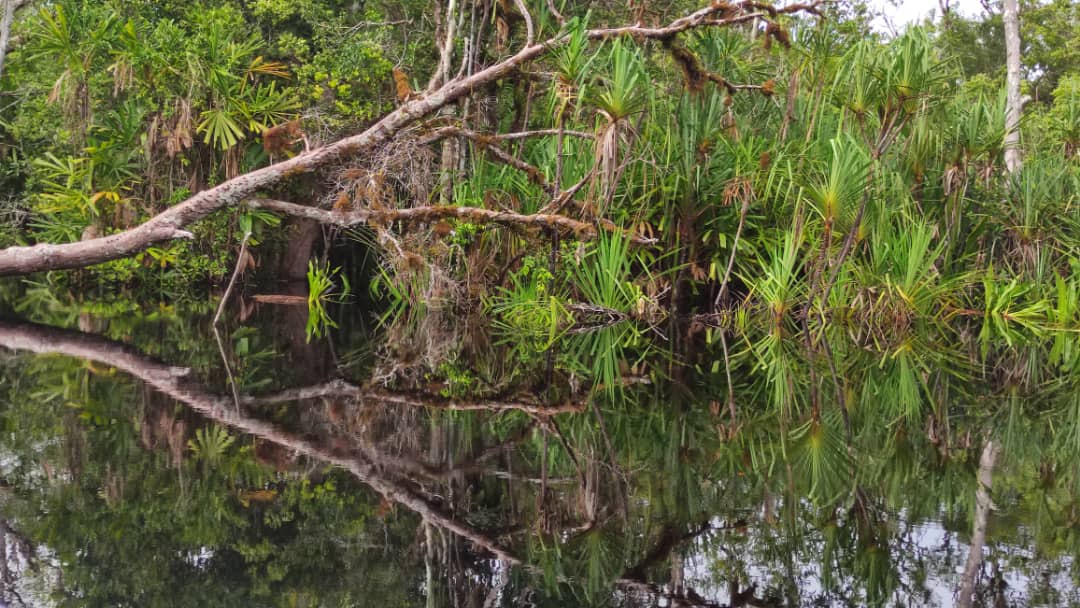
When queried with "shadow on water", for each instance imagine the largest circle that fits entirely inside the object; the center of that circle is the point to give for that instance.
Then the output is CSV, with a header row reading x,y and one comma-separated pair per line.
x,y
446,459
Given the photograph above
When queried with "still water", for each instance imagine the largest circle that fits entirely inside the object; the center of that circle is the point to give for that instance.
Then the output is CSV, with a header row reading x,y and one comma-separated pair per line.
x,y
443,458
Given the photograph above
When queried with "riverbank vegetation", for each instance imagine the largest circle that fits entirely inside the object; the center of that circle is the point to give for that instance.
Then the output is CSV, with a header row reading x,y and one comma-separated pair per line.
x,y
756,158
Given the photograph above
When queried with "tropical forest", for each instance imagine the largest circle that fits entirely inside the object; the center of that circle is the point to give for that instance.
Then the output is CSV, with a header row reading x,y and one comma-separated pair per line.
x,y
539,303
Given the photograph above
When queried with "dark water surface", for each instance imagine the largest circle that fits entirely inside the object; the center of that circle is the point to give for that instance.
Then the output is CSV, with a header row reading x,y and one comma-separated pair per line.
x,y
445,459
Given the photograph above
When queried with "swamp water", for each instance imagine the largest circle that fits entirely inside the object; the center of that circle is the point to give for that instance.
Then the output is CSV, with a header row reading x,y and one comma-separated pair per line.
x,y
447,459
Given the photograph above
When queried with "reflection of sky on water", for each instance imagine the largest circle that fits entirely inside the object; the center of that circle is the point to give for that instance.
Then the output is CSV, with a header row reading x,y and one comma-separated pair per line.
x,y
942,551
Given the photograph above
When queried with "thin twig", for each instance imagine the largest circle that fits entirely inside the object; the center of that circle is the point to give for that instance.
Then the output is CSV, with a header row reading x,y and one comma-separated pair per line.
x,y
730,386
530,32
734,250
241,261
555,12
228,370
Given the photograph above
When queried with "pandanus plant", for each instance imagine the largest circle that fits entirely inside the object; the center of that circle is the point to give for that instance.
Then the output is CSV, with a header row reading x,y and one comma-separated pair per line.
x,y
572,63
1041,190
78,41
857,87
977,130
1064,116
835,193
621,96
242,102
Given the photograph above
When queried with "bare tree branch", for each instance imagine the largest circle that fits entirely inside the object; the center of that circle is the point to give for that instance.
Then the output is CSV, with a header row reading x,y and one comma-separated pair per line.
x,y
433,213
534,174
538,133
530,32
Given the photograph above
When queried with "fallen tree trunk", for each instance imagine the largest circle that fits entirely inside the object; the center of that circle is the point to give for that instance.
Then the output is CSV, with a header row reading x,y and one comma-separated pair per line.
x,y
171,223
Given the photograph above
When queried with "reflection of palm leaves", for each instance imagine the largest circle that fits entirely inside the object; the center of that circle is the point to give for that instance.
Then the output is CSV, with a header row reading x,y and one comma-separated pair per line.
x,y
210,444
602,561
1067,438
823,457
897,468
898,382
600,353
782,367
873,566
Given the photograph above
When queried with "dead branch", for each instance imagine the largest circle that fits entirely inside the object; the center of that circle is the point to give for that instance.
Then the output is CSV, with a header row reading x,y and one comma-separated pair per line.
x,y
434,213
534,174
538,133
341,388
530,32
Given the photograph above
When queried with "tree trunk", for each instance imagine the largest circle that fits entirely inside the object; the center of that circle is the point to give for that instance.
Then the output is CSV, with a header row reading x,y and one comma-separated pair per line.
x,y
1011,17
5,27
978,535
303,233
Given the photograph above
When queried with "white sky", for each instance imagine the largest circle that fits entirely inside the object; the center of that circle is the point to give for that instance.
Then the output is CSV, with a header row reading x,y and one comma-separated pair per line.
x,y
901,12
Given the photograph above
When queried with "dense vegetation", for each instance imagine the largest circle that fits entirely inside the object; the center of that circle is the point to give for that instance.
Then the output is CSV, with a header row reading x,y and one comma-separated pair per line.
x,y
770,268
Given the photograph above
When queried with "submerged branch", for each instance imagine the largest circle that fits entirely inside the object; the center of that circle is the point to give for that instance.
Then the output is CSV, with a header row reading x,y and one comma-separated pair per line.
x,y
342,388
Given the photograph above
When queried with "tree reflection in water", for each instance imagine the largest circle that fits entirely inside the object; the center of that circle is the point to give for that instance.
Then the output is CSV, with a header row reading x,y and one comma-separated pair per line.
x,y
503,476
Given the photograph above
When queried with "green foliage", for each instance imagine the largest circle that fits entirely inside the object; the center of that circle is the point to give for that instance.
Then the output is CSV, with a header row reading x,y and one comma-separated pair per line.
x,y
210,444
603,275
323,290
529,310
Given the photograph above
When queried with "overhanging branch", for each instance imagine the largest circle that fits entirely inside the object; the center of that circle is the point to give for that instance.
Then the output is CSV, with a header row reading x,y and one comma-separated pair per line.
x,y
476,215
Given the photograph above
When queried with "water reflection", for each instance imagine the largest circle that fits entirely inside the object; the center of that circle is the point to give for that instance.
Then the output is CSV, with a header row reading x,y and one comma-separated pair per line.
x,y
448,464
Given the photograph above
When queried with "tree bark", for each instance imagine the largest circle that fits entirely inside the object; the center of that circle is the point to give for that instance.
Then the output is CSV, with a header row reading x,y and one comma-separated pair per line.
x,y
303,233
6,21
170,224
1011,17
982,513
